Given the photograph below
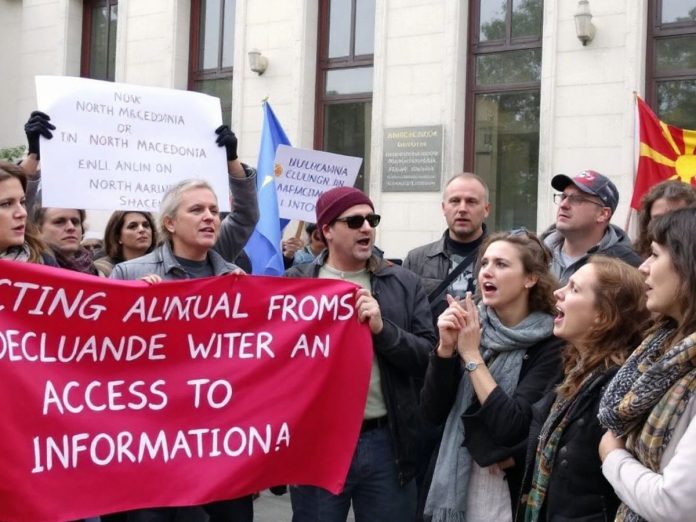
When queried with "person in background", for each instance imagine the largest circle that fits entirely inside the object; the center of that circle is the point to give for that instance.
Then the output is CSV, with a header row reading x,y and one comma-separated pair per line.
x,y
491,364
660,199
313,248
290,247
447,266
62,230
127,235
649,453
18,239
586,203
94,243
601,316
380,484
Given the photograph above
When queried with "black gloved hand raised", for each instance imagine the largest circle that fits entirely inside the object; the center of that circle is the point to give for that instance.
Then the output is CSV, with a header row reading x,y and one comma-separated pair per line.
x,y
38,125
227,139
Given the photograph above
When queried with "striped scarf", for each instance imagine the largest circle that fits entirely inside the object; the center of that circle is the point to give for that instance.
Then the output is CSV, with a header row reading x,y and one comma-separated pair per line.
x,y
549,438
647,397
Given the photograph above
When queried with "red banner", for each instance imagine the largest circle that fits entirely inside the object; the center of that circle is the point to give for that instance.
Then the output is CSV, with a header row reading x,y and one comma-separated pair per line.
x,y
666,152
118,394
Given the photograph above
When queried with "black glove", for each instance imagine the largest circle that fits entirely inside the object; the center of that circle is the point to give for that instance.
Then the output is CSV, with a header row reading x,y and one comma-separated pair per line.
x,y
227,139
38,125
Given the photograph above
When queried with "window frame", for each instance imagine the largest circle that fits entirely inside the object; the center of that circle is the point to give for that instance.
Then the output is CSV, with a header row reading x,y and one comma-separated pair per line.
x,y
477,48
87,20
326,64
657,31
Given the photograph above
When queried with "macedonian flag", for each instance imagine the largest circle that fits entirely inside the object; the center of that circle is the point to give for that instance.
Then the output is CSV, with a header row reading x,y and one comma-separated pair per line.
x,y
666,152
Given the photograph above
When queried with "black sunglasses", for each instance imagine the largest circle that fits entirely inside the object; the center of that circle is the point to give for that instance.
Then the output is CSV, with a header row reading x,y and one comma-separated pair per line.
x,y
357,221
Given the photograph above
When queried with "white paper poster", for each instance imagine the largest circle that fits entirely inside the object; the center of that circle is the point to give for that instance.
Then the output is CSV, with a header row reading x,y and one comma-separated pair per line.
x,y
303,175
120,147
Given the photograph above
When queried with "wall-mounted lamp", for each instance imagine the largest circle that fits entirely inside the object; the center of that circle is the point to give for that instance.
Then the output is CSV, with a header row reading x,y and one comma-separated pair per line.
x,y
257,61
583,22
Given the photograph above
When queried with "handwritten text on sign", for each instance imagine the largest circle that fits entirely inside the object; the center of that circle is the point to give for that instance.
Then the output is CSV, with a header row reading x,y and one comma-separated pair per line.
x,y
303,175
119,146
241,380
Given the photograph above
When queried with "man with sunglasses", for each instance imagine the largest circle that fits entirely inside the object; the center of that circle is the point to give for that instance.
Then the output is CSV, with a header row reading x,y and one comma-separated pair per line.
x,y
392,302
586,203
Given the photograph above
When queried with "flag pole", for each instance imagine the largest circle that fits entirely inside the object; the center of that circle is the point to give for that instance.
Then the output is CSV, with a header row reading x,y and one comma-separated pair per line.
x,y
636,149
300,228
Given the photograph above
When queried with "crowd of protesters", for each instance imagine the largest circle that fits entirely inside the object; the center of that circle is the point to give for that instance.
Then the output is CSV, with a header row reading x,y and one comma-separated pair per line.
x,y
515,376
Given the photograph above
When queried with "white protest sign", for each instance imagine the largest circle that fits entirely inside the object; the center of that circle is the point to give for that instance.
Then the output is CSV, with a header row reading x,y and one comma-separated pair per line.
x,y
120,147
303,175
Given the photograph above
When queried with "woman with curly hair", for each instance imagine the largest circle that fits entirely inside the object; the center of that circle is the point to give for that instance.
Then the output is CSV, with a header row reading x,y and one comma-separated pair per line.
x,y
601,315
492,363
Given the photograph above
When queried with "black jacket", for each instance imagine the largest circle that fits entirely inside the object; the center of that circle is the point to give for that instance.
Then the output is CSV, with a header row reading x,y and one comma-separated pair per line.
x,y
401,348
497,429
577,489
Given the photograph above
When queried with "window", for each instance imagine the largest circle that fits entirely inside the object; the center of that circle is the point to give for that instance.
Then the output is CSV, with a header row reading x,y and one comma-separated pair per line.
x,y
671,61
99,21
212,51
344,80
502,143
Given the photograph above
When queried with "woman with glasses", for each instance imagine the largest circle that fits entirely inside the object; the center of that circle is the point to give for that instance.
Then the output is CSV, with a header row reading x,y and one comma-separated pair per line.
x,y
492,363
649,454
601,316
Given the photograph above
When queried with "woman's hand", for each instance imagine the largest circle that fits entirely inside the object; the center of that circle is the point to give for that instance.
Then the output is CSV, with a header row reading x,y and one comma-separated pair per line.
x,y
469,338
450,322
609,443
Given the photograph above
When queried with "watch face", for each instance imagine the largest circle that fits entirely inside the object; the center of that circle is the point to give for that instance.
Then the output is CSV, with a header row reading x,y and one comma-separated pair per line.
x,y
471,366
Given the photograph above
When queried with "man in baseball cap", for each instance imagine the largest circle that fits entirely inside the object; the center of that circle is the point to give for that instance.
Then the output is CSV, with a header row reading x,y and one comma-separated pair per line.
x,y
392,302
586,203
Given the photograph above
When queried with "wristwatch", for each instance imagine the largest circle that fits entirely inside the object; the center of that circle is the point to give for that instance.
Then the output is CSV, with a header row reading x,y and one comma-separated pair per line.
x,y
471,366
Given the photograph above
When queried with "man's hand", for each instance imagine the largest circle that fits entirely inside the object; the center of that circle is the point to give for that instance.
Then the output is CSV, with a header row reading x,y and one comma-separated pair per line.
x,y
291,246
368,310
38,125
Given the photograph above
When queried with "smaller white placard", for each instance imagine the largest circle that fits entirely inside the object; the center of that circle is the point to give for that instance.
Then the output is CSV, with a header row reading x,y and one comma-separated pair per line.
x,y
302,175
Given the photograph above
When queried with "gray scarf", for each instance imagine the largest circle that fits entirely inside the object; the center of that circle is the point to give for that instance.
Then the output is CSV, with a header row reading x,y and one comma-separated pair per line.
x,y
506,346
16,253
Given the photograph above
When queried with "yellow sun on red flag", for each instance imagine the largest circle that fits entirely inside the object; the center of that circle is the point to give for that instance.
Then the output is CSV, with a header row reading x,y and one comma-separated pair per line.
x,y
666,152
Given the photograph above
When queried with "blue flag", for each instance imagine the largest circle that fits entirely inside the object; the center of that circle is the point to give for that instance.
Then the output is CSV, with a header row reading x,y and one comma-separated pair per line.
x,y
263,247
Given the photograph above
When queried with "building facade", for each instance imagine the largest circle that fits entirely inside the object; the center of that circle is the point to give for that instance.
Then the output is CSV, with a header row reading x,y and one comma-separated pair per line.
x,y
503,88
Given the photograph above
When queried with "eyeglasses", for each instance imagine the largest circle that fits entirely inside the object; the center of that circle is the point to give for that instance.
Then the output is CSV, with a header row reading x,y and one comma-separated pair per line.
x,y
357,221
573,199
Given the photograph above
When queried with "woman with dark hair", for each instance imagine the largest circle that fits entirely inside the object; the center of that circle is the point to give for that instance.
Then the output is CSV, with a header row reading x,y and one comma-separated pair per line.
x,y
127,235
662,198
18,240
601,315
649,454
492,363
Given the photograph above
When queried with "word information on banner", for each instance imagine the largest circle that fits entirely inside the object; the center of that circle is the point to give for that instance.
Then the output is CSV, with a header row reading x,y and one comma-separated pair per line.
x,y
110,388
303,175
120,147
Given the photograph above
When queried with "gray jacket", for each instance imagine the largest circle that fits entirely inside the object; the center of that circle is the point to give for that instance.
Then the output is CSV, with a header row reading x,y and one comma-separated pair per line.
x,y
614,243
161,262
235,230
